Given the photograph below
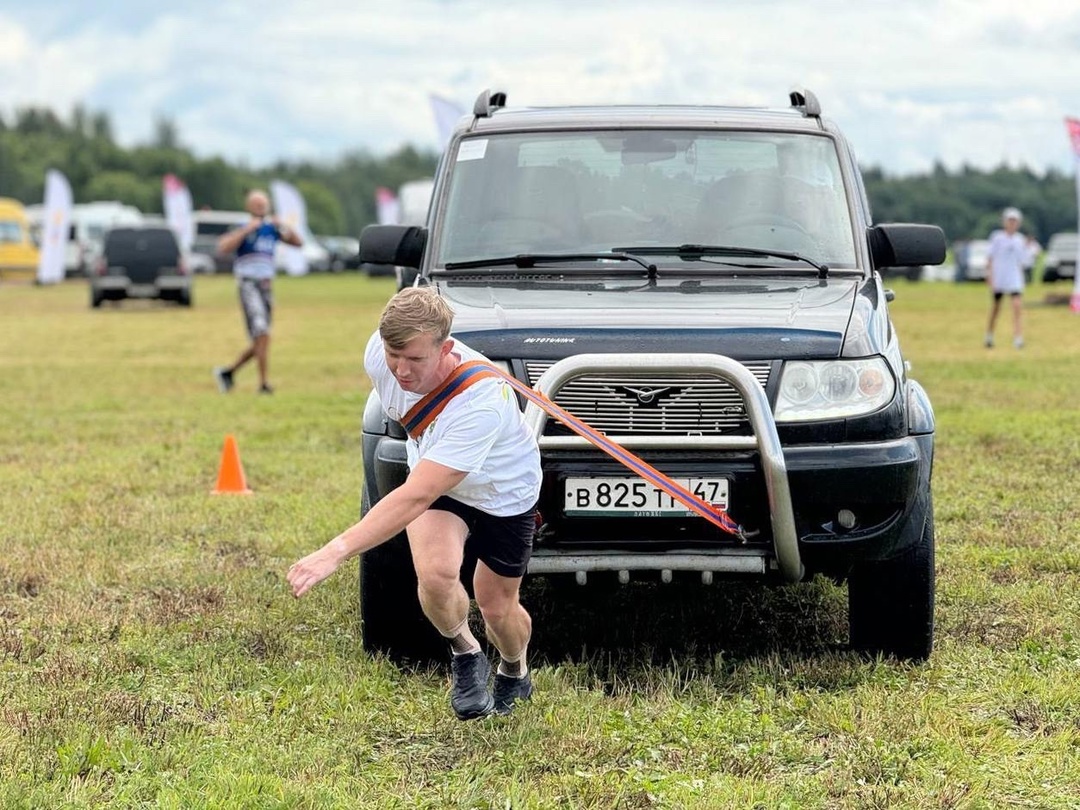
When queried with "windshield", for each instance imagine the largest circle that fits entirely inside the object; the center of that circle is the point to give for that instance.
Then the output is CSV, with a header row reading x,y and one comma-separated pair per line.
x,y
10,231
1063,244
587,192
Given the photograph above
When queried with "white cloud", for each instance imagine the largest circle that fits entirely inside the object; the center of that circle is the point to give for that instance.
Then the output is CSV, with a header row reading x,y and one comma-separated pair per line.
x,y
956,81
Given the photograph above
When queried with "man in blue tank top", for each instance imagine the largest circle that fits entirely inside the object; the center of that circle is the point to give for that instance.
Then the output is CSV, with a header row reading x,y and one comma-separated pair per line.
x,y
253,245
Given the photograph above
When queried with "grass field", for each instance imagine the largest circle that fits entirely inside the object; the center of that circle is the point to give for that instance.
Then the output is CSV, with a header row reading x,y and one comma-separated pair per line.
x,y
150,655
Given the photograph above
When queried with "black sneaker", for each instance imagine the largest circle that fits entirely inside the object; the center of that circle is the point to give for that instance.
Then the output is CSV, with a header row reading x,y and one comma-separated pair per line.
x,y
508,689
265,389
469,696
224,380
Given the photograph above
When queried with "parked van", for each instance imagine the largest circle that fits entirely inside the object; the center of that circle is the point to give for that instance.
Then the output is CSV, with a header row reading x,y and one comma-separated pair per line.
x,y
209,227
18,254
414,198
86,234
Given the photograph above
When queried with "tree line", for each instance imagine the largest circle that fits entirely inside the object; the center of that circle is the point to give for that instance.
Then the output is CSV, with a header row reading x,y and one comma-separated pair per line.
x,y
340,194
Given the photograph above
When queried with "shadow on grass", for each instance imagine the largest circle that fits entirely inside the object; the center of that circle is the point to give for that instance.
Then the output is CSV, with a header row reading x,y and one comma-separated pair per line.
x,y
645,637
626,632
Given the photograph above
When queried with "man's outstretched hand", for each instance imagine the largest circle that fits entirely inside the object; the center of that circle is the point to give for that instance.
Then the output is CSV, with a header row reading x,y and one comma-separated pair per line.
x,y
311,570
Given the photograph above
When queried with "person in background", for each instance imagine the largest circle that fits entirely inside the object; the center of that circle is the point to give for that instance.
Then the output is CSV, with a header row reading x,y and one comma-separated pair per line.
x,y
473,483
1033,251
1005,273
254,245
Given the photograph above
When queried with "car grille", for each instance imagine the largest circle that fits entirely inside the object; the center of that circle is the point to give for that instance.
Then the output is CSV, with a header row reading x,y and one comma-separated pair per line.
x,y
652,404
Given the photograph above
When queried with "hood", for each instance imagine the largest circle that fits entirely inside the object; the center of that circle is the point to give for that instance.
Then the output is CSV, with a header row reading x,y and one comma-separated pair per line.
x,y
744,318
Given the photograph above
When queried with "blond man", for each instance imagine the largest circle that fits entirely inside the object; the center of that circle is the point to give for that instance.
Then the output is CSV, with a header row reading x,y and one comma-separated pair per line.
x,y
474,479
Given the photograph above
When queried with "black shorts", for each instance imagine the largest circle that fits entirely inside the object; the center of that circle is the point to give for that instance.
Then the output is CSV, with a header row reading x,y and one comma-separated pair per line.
x,y
1013,294
503,543
257,301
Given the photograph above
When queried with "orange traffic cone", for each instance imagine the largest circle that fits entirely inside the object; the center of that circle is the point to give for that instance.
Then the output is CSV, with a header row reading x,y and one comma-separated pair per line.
x,y
231,473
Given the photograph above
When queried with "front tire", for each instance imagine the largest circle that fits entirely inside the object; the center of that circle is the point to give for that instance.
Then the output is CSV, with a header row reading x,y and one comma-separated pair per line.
x,y
393,622
891,602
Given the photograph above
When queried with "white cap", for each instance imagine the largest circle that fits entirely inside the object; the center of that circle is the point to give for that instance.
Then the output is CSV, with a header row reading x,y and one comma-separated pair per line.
x,y
1012,213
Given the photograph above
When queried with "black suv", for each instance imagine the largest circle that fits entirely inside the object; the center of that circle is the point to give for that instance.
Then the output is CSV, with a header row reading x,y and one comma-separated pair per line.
x,y
140,262
702,285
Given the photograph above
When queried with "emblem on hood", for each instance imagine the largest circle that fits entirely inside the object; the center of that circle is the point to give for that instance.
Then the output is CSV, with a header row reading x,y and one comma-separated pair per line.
x,y
647,395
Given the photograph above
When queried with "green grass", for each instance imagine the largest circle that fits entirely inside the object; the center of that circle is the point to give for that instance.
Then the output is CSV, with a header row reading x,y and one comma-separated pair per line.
x,y
150,655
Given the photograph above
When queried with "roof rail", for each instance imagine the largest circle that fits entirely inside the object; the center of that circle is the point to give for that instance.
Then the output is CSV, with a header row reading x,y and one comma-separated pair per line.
x,y
487,102
806,102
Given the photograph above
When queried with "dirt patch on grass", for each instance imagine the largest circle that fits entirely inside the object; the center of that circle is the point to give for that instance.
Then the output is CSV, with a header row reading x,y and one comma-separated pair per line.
x,y
170,605
25,584
236,556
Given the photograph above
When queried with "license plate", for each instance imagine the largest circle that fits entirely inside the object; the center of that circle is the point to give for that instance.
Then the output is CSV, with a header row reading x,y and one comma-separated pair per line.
x,y
635,497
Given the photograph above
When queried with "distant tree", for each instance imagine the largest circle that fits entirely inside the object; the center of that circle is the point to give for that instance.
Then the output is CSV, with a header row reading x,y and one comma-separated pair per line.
x,y
324,213
142,192
38,121
101,126
166,133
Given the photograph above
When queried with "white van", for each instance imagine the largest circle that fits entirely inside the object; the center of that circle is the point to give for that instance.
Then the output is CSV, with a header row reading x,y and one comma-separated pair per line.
x,y
86,234
415,199
209,227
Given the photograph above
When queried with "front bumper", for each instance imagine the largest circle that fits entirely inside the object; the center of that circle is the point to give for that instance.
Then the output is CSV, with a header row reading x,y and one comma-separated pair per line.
x,y
123,287
881,485
810,507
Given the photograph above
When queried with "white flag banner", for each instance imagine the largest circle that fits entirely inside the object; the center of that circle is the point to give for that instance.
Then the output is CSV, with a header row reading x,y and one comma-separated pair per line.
x,y
55,225
176,200
1073,126
446,114
387,208
289,209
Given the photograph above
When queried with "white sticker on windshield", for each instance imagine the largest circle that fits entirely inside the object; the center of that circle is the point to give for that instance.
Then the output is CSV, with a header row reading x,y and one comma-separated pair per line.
x,y
472,149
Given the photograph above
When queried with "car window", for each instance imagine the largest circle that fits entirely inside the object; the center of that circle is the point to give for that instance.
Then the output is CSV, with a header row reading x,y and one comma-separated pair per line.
x,y
125,245
596,190
10,231
1063,243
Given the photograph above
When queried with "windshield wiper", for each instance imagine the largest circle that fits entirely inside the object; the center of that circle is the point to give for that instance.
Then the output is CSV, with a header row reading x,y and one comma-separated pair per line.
x,y
692,251
529,260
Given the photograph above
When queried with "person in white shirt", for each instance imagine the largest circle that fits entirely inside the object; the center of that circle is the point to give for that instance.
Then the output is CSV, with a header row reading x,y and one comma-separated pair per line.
x,y
474,478
1005,273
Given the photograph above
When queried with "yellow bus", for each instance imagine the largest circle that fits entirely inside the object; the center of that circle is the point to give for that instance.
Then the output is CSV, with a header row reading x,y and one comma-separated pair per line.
x,y
18,253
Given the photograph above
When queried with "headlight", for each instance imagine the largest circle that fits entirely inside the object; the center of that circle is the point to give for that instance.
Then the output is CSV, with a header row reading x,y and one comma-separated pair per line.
x,y
833,389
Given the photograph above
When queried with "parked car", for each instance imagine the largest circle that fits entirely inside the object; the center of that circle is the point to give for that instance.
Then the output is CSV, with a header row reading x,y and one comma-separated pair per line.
x,y
89,222
210,226
19,255
972,257
1060,259
317,257
141,262
344,251
702,286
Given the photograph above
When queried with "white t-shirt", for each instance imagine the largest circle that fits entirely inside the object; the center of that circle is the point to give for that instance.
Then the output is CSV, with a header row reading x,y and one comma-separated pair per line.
x,y
1008,254
481,431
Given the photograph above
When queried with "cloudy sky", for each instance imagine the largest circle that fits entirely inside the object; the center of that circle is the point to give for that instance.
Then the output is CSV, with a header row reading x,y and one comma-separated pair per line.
x,y
912,82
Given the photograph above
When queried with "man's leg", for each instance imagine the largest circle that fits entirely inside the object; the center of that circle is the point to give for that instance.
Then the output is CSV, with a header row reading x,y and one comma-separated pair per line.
x,y
261,351
1018,321
995,305
509,627
437,542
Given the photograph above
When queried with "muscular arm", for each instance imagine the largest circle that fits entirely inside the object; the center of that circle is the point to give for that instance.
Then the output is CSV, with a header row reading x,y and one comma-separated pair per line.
x,y
230,241
389,516
288,235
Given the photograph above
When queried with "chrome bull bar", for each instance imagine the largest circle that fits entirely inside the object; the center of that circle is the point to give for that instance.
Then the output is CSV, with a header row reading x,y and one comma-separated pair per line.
x,y
764,440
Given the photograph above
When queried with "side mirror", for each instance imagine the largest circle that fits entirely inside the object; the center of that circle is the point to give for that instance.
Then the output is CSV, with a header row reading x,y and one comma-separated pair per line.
x,y
906,245
401,245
